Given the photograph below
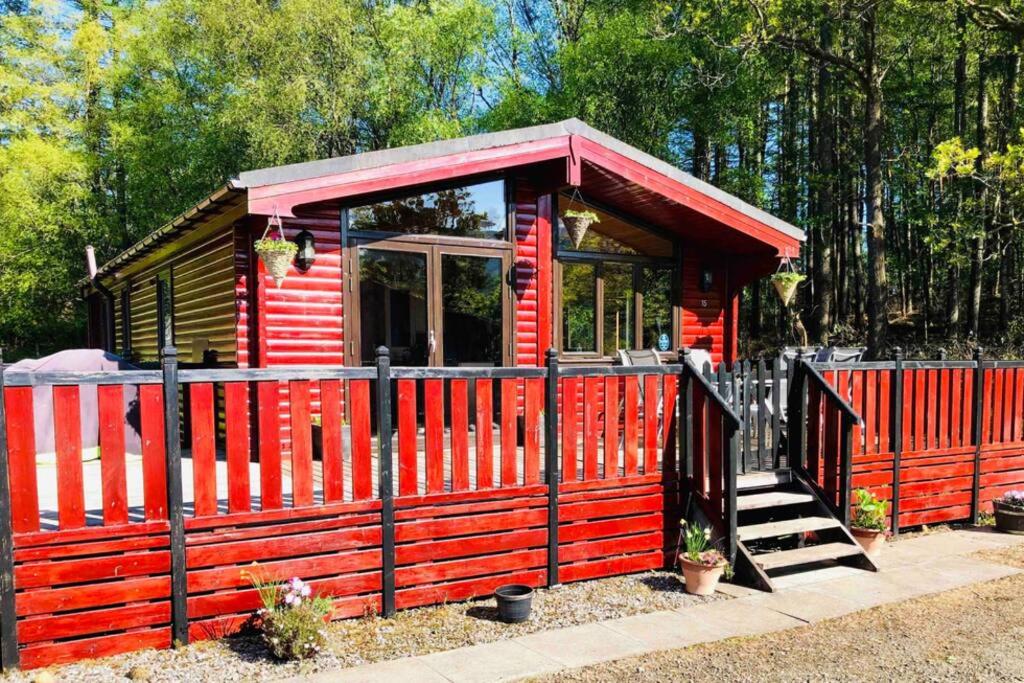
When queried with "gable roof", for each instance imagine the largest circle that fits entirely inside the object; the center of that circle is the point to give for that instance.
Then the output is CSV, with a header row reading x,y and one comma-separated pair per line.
x,y
294,184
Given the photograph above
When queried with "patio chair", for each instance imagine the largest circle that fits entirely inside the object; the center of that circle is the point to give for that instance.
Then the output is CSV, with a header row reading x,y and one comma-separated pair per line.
x,y
851,354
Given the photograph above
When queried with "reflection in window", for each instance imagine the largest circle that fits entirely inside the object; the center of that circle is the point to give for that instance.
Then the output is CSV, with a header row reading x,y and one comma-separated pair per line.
x,y
656,302
471,211
618,307
471,301
393,305
612,235
579,306
164,310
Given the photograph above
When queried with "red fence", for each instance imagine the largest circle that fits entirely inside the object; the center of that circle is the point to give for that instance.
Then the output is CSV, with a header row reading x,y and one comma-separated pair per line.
x,y
490,476
940,439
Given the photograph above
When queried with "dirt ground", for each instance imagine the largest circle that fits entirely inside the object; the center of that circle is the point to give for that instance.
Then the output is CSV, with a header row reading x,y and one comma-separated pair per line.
x,y
974,633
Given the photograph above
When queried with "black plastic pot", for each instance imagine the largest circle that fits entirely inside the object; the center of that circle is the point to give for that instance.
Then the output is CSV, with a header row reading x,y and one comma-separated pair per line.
x,y
1008,519
514,602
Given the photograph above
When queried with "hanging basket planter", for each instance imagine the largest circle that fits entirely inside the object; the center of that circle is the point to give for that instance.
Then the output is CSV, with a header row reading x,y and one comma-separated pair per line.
x,y
785,284
577,223
277,255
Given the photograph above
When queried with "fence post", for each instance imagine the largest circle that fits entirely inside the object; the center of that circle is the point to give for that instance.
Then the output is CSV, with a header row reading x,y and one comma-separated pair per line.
x,y
175,507
846,465
795,428
729,445
979,405
384,485
551,461
685,420
896,405
9,658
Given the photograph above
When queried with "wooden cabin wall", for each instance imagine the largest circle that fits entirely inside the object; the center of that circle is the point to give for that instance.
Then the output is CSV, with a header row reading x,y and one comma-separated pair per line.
x,y
203,286
704,317
533,264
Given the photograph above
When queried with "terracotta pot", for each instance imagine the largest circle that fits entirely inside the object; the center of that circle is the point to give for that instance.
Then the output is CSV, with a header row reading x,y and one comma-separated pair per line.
x,y
871,540
700,578
1009,520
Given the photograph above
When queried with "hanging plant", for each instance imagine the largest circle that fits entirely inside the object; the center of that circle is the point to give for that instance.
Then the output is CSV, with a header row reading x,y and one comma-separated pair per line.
x,y
275,251
785,284
577,223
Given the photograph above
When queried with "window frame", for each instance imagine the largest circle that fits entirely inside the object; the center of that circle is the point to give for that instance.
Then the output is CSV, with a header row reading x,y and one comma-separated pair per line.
x,y
598,259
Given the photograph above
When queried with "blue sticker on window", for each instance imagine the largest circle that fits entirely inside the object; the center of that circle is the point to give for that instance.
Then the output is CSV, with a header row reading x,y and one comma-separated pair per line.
x,y
663,342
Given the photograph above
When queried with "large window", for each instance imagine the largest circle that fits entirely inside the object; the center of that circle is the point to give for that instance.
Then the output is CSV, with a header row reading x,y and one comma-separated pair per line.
x,y
616,289
471,211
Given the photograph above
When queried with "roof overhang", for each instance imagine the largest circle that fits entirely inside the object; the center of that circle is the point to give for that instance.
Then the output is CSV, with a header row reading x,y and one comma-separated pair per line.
x,y
609,169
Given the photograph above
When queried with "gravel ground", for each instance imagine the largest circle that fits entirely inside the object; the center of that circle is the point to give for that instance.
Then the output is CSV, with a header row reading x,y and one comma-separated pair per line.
x,y
970,634
372,639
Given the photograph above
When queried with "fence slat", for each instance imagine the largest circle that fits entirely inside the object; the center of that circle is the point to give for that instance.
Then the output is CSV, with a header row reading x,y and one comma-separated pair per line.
x,y
591,391
408,483
631,426
268,422
21,454
484,433
533,403
236,434
332,442
204,454
570,399
611,427
857,389
670,386
459,395
67,435
433,433
885,410
762,418
651,383
699,431
509,452
113,475
302,450
154,469
362,458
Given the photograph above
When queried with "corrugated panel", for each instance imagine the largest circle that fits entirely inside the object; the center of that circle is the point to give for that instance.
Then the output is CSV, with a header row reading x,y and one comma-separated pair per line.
x,y
703,316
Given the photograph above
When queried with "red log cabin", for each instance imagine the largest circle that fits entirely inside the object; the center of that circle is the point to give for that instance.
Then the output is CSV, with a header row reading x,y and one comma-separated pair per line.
x,y
449,253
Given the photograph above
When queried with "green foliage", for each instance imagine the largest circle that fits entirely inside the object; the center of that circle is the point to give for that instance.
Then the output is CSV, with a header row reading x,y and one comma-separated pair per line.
x,y
291,621
698,547
870,513
272,246
588,216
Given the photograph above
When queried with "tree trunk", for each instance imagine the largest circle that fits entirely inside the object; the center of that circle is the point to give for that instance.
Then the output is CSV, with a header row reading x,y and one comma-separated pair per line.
x,y
878,286
821,311
978,243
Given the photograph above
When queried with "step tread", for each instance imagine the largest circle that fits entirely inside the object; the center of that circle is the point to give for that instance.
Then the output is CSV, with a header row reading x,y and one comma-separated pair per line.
x,y
770,499
758,480
785,527
806,555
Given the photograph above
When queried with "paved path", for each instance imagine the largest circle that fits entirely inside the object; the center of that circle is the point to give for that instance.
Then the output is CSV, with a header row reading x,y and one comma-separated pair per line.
x,y
909,568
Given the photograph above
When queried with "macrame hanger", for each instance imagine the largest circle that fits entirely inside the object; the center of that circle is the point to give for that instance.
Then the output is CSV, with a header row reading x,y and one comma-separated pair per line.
x,y
275,221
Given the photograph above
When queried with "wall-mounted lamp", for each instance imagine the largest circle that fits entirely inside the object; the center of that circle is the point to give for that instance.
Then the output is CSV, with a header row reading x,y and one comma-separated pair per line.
x,y
307,250
707,279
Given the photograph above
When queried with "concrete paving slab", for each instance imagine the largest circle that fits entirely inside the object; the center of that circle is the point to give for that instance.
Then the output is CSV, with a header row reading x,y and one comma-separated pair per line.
x,y
499,661
734,590
740,617
815,576
407,670
582,645
866,591
806,605
665,630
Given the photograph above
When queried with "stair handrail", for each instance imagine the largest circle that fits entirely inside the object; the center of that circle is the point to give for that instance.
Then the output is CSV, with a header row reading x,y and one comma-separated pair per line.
x,y
850,417
731,425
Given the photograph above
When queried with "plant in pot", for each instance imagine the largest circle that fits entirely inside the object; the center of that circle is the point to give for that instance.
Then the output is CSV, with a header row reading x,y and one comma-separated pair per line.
x,y
785,284
277,254
1009,512
870,525
577,223
702,563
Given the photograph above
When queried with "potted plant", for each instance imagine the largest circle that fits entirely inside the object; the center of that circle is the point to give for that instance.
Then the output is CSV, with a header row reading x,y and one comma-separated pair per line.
x,y
702,563
1009,511
870,525
785,283
277,255
577,222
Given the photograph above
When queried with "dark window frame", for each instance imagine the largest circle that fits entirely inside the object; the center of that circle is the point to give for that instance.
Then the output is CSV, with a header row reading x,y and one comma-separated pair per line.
x,y
598,259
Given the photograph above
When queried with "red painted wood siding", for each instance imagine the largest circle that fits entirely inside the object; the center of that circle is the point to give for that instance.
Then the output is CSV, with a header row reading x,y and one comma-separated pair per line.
x,y
527,262
704,313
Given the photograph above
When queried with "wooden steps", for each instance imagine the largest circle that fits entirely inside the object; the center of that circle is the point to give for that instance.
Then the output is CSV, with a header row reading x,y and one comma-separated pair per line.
x,y
776,511
786,527
772,499
805,555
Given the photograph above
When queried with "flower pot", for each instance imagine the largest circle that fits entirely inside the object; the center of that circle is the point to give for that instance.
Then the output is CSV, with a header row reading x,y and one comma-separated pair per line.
x,y
514,602
786,289
1009,519
577,228
871,540
701,579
